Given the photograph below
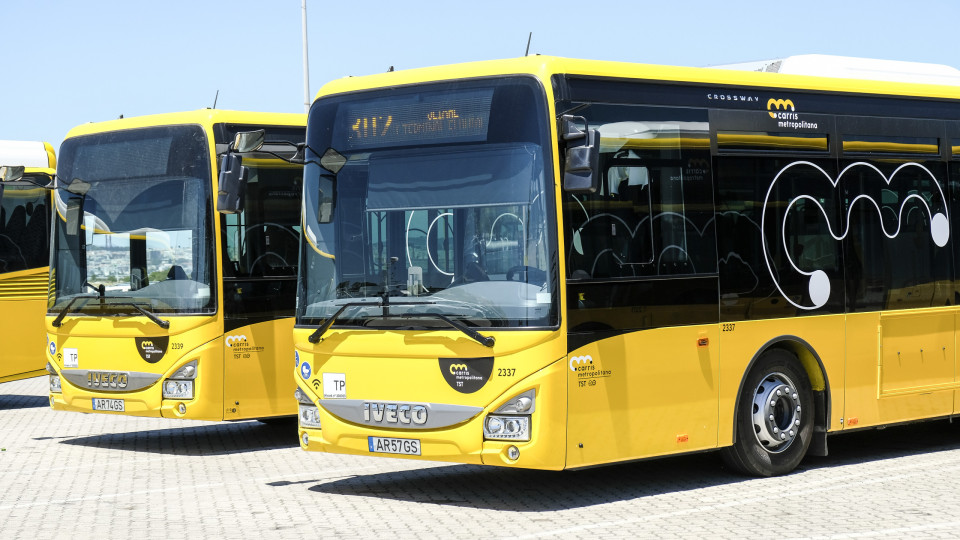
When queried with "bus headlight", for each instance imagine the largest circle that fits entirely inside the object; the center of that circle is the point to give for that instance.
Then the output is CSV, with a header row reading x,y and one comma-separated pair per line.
x,y
309,416
511,422
177,389
180,384
55,384
507,428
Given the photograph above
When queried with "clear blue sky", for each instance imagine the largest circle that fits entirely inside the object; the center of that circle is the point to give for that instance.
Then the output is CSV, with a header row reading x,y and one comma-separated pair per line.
x,y
69,62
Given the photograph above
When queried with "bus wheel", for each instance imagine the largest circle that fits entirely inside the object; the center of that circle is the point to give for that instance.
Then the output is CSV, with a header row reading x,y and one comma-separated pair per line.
x,y
775,417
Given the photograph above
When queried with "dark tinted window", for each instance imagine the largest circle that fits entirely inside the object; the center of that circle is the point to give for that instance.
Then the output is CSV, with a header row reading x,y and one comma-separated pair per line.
x,y
24,228
653,213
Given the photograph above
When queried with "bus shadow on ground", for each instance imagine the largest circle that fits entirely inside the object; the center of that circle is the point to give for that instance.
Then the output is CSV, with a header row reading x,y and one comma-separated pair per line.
x,y
221,438
521,490
11,402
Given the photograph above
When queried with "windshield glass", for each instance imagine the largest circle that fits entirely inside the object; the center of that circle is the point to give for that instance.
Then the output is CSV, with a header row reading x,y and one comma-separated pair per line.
x,y
440,206
133,219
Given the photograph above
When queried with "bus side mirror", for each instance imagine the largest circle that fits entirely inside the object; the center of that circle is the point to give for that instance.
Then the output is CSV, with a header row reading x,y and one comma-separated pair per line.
x,y
11,173
233,184
249,141
582,157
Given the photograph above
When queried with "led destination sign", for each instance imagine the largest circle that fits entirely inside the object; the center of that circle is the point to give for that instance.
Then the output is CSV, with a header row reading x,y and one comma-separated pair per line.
x,y
433,117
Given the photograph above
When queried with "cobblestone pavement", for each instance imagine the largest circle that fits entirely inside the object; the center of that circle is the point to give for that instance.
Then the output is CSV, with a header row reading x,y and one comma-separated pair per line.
x,y
71,475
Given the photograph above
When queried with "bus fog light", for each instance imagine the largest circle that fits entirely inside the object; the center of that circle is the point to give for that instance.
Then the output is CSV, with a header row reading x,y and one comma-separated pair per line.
x,y
182,408
173,389
305,439
186,372
513,452
507,428
309,416
524,403
55,384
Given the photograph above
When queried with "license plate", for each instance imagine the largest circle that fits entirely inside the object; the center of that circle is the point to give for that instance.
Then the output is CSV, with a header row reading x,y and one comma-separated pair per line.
x,y
115,405
388,445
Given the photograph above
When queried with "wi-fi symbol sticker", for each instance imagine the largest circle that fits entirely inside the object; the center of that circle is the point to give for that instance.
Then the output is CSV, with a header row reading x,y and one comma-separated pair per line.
x,y
316,384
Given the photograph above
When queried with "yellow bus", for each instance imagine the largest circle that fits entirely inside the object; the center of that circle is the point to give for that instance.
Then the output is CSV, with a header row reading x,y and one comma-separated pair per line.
x,y
159,305
24,254
554,263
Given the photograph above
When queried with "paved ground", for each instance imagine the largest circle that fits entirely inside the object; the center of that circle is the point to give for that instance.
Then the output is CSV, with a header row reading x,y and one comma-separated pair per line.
x,y
70,475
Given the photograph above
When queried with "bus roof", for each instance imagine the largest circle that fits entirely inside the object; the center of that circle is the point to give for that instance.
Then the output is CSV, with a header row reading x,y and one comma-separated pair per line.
x,y
545,66
202,116
847,67
30,154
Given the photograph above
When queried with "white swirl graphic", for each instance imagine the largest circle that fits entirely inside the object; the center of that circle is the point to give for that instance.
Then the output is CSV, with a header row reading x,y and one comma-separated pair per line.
x,y
819,283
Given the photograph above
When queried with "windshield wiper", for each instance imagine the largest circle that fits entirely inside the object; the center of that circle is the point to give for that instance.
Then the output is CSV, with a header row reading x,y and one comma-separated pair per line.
x,y
160,322
66,309
486,341
315,337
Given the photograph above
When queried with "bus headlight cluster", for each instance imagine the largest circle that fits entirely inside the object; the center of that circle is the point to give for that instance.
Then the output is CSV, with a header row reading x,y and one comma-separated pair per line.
x,y
180,384
177,389
54,380
309,416
511,422
507,428
309,413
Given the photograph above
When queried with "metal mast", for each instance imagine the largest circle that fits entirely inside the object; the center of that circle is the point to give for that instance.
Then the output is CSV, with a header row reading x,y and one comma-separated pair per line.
x,y
306,63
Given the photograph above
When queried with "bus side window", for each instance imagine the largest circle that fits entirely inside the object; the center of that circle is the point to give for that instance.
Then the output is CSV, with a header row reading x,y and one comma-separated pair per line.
x,y
653,213
24,237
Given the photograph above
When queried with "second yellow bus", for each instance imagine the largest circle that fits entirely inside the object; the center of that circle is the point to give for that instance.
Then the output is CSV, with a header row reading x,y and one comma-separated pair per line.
x,y
159,305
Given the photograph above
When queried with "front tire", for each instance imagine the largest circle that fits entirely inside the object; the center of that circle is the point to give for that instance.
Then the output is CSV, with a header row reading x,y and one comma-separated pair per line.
x,y
775,416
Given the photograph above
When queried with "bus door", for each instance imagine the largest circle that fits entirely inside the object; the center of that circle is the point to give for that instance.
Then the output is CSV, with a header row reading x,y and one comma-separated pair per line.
x,y
24,256
953,151
642,288
898,261
260,276
898,258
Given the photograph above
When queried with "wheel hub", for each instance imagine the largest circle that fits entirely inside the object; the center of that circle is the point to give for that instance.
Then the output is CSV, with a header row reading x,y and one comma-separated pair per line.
x,y
776,412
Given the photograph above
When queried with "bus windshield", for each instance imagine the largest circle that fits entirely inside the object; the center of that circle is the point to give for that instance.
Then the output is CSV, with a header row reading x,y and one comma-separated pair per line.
x,y
133,222
440,208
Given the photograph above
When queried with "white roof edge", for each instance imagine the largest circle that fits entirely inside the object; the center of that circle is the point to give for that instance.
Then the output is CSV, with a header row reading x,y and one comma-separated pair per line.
x,y
26,153
848,67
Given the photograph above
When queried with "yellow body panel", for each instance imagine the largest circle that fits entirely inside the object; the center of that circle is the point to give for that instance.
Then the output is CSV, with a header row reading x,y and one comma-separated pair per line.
x,y
23,301
643,394
901,366
256,380
241,379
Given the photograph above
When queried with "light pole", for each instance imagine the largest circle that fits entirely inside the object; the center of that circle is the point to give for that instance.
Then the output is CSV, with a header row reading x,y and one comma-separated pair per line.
x,y
306,63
